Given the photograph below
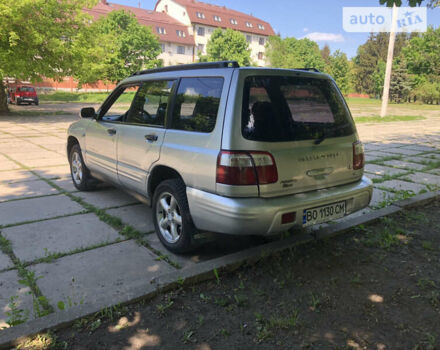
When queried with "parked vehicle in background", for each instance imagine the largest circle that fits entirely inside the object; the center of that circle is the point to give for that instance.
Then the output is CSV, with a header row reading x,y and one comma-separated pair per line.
x,y
23,94
222,148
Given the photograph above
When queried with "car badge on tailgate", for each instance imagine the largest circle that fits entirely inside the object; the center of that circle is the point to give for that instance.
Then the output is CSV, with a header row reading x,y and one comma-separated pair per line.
x,y
319,172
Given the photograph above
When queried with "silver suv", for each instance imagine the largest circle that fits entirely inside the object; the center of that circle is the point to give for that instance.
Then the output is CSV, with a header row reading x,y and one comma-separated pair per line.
x,y
222,148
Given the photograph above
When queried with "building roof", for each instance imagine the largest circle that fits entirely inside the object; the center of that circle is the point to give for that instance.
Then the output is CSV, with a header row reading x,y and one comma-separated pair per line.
x,y
194,7
151,19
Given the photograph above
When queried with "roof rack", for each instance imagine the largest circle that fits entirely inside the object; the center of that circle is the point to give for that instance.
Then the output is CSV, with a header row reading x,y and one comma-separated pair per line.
x,y
202,65
309,69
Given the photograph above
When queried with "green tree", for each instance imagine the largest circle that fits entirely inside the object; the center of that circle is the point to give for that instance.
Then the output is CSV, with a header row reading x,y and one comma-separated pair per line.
x,y
294,53
378,78
36,38
339,69
114,47
400,85
228,45
368,57
325,53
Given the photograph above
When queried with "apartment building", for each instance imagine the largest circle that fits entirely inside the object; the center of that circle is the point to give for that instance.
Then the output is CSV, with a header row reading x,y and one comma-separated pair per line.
x,y
175,39
201,19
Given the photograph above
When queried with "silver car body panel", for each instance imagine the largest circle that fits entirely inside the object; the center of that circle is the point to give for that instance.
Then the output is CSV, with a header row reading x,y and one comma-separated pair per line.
x,y
262,216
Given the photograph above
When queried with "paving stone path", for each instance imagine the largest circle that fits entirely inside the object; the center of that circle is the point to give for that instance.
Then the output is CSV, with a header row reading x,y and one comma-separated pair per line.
x,y
60,247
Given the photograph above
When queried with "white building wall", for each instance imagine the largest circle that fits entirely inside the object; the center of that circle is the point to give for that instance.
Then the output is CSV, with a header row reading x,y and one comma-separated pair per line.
x,y
171,56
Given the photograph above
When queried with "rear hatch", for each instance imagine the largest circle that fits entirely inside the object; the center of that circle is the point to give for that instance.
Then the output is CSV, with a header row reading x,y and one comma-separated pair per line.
x,y
304,125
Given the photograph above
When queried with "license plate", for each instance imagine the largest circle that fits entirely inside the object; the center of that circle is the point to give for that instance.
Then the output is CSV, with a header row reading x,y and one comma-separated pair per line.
x,y
322,214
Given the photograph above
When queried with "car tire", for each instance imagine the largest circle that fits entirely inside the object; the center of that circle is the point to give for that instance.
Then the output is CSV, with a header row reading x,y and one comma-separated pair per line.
x,y
37,103
80,174
171,216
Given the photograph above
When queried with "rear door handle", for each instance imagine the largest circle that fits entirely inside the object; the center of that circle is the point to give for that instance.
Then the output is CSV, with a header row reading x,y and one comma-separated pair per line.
x,y
151,137
111,131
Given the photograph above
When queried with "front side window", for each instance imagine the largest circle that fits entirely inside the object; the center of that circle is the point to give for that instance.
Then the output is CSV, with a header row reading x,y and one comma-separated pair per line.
x,y
150,104
116,108
280,108
197,103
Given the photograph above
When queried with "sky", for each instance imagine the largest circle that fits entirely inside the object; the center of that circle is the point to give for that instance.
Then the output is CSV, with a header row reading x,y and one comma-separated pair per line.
x,y
321,20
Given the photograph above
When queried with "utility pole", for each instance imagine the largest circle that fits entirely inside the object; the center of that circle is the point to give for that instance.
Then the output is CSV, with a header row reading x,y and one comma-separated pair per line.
x,y
386,84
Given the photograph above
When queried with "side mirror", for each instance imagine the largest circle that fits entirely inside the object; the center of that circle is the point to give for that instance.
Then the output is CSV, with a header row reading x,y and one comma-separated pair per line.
x,y
88,112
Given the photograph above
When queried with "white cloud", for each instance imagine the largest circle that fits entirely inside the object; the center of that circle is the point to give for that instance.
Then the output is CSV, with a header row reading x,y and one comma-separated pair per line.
x,y
316,36
305,30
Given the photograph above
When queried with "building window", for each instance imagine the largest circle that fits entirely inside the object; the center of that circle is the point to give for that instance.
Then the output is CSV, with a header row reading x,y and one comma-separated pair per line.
x,y
260,56
261,41
248,38
161,30
181,50
162,47
180,33
200,15
201,31
217,18
260,26
249,24
200,48
209,30
233,21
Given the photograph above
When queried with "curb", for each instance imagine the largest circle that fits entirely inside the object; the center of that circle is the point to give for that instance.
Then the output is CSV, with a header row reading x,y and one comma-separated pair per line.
x,y
200,272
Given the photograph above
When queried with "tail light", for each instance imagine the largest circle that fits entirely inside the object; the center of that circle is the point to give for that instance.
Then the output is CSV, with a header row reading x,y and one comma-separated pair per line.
x,y
358,155
246,168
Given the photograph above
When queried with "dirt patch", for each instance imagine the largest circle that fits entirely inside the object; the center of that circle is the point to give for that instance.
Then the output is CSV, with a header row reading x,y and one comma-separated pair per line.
x,y
377,287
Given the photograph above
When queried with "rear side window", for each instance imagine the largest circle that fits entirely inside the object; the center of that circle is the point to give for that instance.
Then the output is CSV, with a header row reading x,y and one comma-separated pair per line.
x,y
197,103
150,104
277,108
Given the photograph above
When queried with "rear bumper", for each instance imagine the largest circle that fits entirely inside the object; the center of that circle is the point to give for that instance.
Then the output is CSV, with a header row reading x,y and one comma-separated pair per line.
x,y
262,216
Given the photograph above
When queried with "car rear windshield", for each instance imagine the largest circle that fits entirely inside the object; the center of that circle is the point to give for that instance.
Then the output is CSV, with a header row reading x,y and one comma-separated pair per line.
x,y
281,108
26,89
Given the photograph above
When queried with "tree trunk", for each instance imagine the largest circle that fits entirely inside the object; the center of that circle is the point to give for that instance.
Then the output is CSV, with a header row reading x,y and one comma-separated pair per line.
x,y
3,98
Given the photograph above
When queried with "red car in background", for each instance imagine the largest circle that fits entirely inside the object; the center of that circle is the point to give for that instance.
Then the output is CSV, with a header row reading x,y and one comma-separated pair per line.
x,y
22,94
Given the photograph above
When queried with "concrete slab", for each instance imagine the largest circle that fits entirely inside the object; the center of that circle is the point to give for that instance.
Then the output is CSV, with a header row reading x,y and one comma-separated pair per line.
x,y
36,209
9,288
66,184
379,154
138,216
108,198
379,196
25,189
109,271
59,236
16,176
418,159
6,164
62,171
5,262
431,156
420,148
404,165
38,163
424,178
399,185
435,171
403,151
23,156
373,176
382,170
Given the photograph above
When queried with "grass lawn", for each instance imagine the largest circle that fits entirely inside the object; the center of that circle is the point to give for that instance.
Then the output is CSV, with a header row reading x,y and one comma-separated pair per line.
x,y
376,287
387,119
82,97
